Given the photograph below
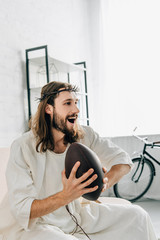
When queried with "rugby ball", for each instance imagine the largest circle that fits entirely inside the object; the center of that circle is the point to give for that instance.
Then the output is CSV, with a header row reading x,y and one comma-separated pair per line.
x,y
88,159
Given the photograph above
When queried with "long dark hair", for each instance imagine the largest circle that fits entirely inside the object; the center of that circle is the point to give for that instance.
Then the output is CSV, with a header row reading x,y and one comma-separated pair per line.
x,y
41,122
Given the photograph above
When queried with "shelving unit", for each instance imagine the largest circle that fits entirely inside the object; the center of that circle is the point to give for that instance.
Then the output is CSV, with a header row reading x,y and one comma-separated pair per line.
x,y
44,69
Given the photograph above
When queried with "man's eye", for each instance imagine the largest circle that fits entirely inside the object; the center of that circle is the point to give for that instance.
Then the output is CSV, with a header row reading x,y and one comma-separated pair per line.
x,y
67,103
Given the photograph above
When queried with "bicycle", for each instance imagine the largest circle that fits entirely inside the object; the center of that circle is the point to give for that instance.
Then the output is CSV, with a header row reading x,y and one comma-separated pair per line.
x,y
138,181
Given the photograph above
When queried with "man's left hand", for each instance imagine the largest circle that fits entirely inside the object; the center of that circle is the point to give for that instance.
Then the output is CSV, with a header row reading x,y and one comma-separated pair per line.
x,y
105,180
114,175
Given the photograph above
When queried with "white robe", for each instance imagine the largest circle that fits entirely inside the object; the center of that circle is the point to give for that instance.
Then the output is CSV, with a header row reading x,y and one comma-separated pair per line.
x,y
31,175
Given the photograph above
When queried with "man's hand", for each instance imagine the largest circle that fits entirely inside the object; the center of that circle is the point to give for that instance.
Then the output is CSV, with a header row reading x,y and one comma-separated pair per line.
x,y
114,175
72,188
75,187
105,180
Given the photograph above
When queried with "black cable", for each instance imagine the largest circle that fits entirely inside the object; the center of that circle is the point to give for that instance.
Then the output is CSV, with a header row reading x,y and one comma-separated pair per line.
x,y
76,221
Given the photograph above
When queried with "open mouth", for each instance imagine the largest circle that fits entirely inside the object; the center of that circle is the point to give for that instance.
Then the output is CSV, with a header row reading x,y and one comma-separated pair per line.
x,y
72,119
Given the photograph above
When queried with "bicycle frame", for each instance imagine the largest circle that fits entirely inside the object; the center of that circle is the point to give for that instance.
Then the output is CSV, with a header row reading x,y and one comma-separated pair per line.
x,y
137,170
141,177
149,155
144,153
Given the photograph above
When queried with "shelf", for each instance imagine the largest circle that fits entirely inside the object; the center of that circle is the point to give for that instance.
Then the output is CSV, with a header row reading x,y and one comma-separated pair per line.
x,y
56,65
38,90
40,70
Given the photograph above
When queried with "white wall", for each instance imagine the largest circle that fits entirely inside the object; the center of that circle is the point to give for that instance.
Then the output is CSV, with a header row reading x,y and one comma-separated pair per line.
x,y
63,25
128,86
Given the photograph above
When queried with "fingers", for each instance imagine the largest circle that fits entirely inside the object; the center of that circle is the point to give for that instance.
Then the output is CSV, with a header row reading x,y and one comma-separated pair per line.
x,y
104,169
88,190
106,184
74,170
86,175
84,183
63,174
80,183
105,180
104,188
89,181
75,187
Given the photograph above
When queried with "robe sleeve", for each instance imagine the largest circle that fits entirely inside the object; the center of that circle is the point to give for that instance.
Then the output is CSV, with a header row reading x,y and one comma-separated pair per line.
x,y
108,152
20,184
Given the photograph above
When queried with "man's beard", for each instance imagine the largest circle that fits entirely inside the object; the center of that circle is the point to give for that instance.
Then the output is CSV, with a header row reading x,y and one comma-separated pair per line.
x,y
70,135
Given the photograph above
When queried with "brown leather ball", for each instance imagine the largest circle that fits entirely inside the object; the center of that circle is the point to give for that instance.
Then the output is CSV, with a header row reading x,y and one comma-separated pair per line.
x,y
88,159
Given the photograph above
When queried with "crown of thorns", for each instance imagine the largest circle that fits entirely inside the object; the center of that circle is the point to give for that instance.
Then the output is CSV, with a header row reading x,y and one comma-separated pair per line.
x,y
46,95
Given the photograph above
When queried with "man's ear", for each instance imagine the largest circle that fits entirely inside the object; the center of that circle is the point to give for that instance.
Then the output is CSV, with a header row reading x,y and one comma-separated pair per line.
x,y
49,109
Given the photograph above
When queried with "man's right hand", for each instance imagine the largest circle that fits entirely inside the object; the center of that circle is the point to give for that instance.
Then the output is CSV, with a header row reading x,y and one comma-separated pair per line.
x,y
74,187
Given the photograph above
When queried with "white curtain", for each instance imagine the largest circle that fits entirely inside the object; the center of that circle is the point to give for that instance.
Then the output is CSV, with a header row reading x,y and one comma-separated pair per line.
x,y
129,83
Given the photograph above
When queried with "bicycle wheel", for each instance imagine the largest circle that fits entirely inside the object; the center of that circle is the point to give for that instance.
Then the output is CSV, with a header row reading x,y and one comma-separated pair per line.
x,y
137,182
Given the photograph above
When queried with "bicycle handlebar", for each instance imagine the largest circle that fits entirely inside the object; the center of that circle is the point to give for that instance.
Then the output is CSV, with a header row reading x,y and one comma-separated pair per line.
x,y
144,139
156,142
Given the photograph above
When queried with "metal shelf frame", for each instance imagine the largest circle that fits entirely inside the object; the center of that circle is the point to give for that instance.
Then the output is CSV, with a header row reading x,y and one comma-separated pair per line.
x,y
27,71
28,60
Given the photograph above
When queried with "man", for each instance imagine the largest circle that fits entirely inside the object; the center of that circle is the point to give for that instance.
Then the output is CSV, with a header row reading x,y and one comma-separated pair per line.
x,y
43,202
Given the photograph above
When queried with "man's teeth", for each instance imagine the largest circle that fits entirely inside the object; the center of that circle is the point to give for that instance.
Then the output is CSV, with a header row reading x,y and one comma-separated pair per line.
x,y
72,119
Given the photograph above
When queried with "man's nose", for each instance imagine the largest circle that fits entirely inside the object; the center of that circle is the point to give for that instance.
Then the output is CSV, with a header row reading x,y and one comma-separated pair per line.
x,y
76,109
